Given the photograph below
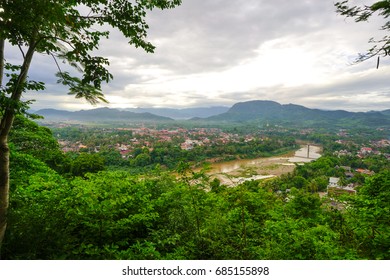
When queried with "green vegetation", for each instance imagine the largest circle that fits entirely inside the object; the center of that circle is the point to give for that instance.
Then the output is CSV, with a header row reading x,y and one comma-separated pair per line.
x,y
71,208
69,31
292,115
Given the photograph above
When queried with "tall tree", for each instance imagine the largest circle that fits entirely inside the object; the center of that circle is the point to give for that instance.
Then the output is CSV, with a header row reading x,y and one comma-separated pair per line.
x,y
67,30
381,47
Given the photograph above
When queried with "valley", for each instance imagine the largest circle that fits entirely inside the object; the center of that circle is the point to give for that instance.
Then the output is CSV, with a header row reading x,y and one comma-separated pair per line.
x,y
184,189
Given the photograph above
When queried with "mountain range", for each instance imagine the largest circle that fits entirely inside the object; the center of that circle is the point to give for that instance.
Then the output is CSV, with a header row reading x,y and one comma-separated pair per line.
x,y
130,114
249,111
270,111
98,115
187,113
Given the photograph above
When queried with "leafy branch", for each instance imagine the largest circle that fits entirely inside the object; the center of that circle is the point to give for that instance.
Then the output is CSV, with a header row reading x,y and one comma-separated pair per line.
x,y
381,47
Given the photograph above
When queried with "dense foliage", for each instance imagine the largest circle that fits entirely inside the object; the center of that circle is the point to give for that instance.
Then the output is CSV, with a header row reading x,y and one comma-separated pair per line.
x,y
116,215
113,215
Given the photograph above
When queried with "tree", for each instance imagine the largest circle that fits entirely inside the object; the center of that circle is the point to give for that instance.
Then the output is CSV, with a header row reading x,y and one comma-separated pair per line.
x,y
87,163
66,30
368,217
381,47
142,160
30,138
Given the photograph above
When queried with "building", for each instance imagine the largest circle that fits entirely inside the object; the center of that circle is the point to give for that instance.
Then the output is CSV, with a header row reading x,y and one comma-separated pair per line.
x,y
333,182
335,189
190,144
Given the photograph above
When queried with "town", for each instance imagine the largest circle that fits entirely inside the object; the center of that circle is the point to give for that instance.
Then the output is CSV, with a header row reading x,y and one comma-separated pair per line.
x,y
147,146
170,184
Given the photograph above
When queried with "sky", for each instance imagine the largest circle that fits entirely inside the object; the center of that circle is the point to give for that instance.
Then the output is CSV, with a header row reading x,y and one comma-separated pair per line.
x,y
220,52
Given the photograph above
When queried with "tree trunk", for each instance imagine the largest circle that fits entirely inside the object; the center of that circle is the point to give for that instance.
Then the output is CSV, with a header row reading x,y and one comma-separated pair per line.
x,y
4,187
1,62
5,127
4,158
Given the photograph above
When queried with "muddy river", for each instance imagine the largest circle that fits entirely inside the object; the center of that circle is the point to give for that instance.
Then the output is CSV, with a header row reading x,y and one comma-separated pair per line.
x,y
237,171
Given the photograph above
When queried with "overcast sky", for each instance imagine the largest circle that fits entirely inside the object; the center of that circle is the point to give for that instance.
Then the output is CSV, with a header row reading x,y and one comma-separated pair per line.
x,y
220,52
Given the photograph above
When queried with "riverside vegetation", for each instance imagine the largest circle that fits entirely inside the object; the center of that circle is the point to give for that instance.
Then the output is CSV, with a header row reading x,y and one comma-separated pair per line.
x,y
98,205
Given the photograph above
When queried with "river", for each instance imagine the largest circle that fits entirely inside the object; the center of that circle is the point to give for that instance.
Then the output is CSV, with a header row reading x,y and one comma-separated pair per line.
x,y
236,171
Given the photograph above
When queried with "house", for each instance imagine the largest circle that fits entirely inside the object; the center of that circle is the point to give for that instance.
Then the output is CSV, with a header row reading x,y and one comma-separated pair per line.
x,y
365,171
342,153
333,182
365,150
348,171
190,144
335,189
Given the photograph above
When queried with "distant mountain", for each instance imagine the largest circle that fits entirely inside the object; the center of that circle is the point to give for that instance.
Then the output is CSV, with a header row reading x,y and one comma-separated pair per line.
x,y
188,113
98,115
386,112
250,111
270,111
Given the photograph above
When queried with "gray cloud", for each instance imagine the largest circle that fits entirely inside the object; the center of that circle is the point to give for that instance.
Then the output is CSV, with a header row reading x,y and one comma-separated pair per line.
x,y
214,35
219,52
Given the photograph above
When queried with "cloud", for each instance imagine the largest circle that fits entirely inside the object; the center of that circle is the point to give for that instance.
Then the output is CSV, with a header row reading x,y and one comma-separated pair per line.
x,y
219,52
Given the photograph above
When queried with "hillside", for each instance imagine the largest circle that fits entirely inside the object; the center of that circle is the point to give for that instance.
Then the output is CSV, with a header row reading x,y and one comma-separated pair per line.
x,y
251,111
270,111
187,113
386,112
98,115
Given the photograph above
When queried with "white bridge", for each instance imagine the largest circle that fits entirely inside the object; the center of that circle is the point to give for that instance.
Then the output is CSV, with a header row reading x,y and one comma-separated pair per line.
x,y
306,154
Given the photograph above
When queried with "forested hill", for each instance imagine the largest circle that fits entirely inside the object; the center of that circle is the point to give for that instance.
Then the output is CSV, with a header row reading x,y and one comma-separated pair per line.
x,y
386,112
250,111
186,113
271,111
107,114
98,115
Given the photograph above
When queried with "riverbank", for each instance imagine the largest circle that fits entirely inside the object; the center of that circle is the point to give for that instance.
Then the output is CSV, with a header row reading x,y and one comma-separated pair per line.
x,y
237,171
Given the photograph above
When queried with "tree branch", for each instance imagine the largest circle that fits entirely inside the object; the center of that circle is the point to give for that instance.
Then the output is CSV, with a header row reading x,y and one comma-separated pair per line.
x,y
21,50
56,62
